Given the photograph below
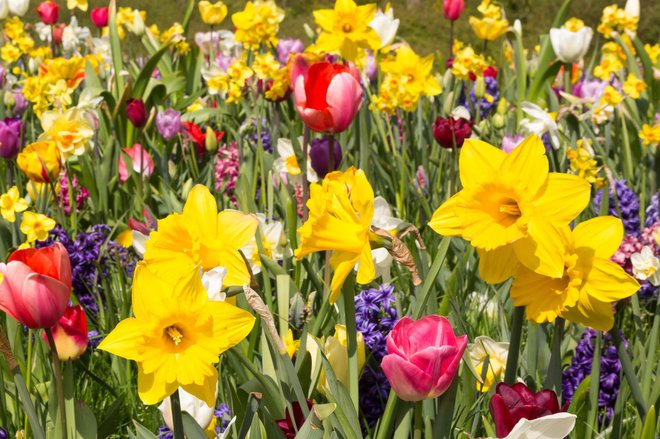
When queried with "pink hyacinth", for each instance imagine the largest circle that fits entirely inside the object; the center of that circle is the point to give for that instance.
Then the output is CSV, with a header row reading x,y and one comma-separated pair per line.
x,y
226,169
80,193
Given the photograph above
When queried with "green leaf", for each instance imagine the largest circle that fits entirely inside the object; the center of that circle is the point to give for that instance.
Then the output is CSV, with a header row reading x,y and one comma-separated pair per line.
x,y
580,406
115,48
191,428
649,424
147,72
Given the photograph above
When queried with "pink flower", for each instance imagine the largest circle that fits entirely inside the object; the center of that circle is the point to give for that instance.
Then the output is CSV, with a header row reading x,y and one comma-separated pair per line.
x,y
99,17
70,334
142,162
453,9
423,357
327,96
36,285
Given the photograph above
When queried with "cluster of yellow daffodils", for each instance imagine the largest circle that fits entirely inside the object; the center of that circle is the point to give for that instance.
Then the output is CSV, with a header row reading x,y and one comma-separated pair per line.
x,y
493,23
466,60
176,36
179,328
584,164
273,75
69,131
633,86
232,83
406,78
616,19
130,20
258,24
18,41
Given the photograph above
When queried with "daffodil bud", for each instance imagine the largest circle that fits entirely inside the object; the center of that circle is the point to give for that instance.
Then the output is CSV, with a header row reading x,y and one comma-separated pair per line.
x,y
498,121
211,141
447,80
9,99
502,106
309,32
447,106
479,87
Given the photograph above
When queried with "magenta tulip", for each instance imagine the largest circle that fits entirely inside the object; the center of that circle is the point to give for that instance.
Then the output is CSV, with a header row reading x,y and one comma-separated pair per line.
x,y
423,357
327,96
453,9
142,162
49,12
99,17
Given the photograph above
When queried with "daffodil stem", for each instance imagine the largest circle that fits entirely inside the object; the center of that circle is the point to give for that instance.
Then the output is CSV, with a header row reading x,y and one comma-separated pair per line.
x,y
177,418
553,380
57,371
514,345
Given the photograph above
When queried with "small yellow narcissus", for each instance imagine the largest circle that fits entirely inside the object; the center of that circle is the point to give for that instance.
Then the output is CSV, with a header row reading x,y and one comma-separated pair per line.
x,y
10,203
36,226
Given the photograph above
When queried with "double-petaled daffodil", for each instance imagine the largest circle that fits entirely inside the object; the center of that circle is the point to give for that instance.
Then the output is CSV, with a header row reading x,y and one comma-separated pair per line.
x,y
590,282
650,134
646,266
340,213
497,353
345,29
10,203
176,335
633,86
70,131
287,163
200,236
511,208
36,226
258,23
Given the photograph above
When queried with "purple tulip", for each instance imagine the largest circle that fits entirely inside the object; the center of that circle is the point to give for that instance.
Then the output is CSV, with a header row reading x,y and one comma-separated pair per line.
x,y
509,142
287,46
20,103
168,123
318,154
10,137
592,89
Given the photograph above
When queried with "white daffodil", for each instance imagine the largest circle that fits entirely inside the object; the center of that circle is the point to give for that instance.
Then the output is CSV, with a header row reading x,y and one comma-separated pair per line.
x,y
541,122
646,266
287,163
19,7
496,352
555,426
139,242
4,9
273,241
385,26
195,407
73,35
570,46
383,218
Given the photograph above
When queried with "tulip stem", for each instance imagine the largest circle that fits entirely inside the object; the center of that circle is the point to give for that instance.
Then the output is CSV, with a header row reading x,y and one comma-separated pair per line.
x,y
331,153
451,38
21,388
553,379
387,420
514,345
419,424
177,418
57,370
305,184
348,296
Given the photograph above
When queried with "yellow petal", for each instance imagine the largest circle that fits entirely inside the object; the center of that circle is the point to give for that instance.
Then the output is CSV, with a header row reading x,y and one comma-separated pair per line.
x,y
236,229
125,340
237,271
445,221
362,197
608,282
200,212
602,234
479,162
542,251
230,324
497,265
591,312
325,19
342,263
152,391
205,391
526,167
565,196
367,271
543,297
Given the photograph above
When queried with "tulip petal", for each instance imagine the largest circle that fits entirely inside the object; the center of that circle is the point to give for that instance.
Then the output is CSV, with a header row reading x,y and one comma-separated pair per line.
x,y
344,98
408,381
11,299
45,299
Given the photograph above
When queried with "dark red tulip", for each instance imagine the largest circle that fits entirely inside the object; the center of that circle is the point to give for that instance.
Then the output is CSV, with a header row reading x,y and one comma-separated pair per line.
x,y
136,112
510,404
450,131
49,12
320,157
287,424
99,17
490,72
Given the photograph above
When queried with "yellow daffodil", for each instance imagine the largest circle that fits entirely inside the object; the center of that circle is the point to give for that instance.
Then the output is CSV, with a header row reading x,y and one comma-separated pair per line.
x,y
346,30
633,86
611,96
10,203
590,281
497,353
340,213
176,335
36,226
511,208
212,13
200,236
258,24
70,131
40,161
650,135
291,344
492,25
584,164
80,4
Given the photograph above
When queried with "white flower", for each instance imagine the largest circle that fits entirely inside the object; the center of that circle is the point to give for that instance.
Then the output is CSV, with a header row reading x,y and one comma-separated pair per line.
x,y
73,35
540,123
212,281
555,426
273,242
460,112
383,264
4,9
287,163
385,26
383,218
202,413
497,353
102,48
632,8
43,30
139,242
646,266
570,46
19,7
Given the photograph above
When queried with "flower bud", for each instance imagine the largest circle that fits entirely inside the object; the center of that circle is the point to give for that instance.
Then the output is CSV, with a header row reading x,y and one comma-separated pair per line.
x,y
320,156
479,88
99,17
452,9
49,12
70,334
498,121
9,99
136,112
211,140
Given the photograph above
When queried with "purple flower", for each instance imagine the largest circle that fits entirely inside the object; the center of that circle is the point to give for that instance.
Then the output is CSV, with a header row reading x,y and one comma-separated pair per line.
x,y
589,89
371,69
287,46
223,416
251,127
168,123
319,155
226,169
10,137
509,142
627,203
651,214
4,434
94,339
20,103
80,193
486,104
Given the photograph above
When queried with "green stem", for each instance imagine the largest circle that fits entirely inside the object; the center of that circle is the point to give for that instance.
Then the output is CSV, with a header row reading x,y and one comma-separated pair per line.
x,y
303,168
387,420
419,425
177,418
629,372
553,380
514,345
57,370
28,375
348,297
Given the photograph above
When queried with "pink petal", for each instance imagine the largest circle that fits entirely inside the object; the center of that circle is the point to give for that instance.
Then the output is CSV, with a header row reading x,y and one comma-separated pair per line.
x,y
11,300
432,359
320,121
408,381
45,299
344,100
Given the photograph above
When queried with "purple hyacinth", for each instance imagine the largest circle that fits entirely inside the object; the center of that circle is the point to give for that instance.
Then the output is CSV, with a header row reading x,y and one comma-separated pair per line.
x,y
94,339
80,193
580,368
628,204
252,129
375,316
651,214
486,104
92,254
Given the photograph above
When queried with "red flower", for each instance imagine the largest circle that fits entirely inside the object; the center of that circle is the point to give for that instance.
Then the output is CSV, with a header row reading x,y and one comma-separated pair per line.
x,y
99,17
70,333
198,136
49,12
136,112
452,9
490,72
510,404
449,130
287,426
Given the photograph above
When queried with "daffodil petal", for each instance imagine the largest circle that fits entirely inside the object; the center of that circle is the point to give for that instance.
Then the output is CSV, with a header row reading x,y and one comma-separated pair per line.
x,y
445,221
152,391
367,271
200,211
497,265
591,312
342,263
479,162
205,391
542,296
603,234
608,282
236,229
542,251
124,341
526,167
564,198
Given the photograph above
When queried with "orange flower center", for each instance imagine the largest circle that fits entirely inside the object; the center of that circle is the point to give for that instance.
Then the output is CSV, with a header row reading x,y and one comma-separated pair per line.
x,y
510,207
175,334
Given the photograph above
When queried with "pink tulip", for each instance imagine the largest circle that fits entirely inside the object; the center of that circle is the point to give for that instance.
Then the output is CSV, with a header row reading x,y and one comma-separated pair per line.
x,y
327,96
36,285
453,9
423,357
142,162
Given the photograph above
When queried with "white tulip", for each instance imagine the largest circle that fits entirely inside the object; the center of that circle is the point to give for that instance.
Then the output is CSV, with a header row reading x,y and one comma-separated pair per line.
x,y
385,26
19,7
570,46
632,8
197,408
555,426
4,9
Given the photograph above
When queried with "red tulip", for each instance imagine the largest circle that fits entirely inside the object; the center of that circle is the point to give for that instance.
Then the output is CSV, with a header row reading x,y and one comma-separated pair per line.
x,y
49,12
451,131
453,9
287,425
136,112
423,357
142,162
58,31
510,404
99,17
36,285
70,334
327,96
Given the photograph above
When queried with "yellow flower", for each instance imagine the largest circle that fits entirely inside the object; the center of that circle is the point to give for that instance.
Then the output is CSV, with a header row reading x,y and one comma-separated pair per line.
x,y
346,30
653,52
292,345
497,353
340,213
633,86
650,135
335,349
611,96
69,130
125,238
36,226
176,335
265,65
590,281
10,203
258,24
574,24
488,28
10,53
80,4
212,13
14,28
511,208
40,161
466,60
279,86
616,19
200,236
584,164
